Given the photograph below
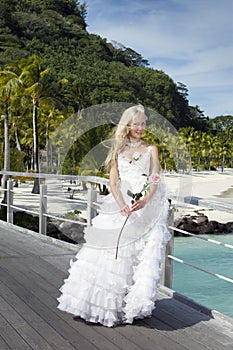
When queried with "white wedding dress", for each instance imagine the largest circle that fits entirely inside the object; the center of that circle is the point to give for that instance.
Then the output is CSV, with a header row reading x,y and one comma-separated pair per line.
x,y
109,290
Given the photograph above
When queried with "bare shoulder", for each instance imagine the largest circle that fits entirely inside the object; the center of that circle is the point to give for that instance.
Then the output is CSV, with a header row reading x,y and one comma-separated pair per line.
x,y
152,148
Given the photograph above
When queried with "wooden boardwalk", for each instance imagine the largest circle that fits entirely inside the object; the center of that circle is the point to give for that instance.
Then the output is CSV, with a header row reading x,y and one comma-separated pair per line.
x,y
32,269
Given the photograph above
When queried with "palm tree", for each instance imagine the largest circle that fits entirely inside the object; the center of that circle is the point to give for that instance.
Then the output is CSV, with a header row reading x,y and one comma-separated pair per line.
x,y
199,141
50,119
10,84
180,153
188,136
208,149
38,89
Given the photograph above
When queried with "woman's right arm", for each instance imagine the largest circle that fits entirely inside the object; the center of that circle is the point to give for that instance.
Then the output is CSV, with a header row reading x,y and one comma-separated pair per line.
x,y
116,192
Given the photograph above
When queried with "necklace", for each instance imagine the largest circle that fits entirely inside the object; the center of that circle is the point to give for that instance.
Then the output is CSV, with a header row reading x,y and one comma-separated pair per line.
x,y
134,144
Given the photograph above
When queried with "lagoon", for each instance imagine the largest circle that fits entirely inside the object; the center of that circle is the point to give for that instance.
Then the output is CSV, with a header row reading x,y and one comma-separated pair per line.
x,y
205,289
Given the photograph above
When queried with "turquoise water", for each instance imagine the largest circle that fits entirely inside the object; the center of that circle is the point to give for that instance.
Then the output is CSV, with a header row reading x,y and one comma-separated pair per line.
x,y
199,286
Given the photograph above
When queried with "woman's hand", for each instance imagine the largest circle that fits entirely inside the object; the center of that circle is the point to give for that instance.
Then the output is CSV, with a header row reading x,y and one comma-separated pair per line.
x,y
125,210
139,204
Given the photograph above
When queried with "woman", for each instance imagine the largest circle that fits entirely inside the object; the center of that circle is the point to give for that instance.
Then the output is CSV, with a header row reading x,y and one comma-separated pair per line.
x,y
114,278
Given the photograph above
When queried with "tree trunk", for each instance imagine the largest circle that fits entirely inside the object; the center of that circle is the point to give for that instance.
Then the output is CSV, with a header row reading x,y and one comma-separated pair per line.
x,y
47,145
223,163
18,146
36,186
6,153
199,159
190,160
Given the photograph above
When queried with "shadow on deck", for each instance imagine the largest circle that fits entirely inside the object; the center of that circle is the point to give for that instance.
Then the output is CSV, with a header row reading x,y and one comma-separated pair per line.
x,y
32,269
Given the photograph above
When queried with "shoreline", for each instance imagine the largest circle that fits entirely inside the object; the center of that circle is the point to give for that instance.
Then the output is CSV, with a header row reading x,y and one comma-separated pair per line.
x,y
209,187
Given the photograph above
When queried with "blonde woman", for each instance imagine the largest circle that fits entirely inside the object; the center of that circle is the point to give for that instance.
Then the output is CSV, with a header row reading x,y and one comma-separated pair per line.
x,y
115,276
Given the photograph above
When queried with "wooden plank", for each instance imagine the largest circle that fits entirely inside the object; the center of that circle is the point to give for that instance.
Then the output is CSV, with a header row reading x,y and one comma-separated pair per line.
x,y
32,283
28,244
7,249
11,337
49,317
116,338
62,263
101,329
222,327
103,337
96,339
32,277
39,268
219,325
54,275
162,343
121,341
195,323
188,338
35,288
46,331
29,335
178,336
3,345
77,335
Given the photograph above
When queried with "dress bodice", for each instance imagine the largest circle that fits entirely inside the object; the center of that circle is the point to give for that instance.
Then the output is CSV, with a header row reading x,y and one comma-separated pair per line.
x,y
132,171
132,168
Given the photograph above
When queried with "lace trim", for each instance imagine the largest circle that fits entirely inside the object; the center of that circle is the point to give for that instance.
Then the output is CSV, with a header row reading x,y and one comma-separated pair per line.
x,y
148,150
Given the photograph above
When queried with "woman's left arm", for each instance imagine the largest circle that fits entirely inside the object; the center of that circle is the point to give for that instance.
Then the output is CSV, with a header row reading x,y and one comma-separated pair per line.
x,y
154,179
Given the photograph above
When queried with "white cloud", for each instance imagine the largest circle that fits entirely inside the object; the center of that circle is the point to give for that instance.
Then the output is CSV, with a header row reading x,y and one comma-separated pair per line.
x,y
189,40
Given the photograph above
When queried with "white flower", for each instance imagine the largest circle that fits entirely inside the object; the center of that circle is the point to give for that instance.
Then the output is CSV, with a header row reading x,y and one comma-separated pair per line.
x,y
136,155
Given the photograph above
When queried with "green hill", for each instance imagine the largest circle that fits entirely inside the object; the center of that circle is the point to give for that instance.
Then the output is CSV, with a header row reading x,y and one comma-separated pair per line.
x,y
95,71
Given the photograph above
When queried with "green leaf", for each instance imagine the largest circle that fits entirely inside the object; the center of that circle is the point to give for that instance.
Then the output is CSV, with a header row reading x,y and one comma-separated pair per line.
x,y
129,193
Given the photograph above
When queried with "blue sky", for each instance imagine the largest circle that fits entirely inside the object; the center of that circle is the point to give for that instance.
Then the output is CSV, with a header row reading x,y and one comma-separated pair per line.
x,y
190,40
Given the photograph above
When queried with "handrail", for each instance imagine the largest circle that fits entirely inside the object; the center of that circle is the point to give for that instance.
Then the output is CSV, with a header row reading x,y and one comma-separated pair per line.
x,y
200,269
43,197
26,210
201,237
90,178
68,200
66,220
209,240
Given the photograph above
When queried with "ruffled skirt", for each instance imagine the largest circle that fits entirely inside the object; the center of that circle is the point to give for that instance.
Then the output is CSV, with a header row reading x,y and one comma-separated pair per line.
x,y
109,290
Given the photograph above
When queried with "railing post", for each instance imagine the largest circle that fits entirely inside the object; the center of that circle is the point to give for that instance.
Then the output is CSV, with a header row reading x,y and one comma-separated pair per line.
x,y
167,268
10,197
43,210
91,197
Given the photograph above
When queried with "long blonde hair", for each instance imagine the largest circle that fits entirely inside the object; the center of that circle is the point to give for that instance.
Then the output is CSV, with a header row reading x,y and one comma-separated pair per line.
x,y
120,137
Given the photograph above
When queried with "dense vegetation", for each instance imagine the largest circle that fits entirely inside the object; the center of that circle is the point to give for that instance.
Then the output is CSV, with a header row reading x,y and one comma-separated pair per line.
x,y
51,68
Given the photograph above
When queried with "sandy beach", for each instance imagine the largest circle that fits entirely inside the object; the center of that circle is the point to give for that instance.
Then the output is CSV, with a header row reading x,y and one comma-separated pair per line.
x,y
212,187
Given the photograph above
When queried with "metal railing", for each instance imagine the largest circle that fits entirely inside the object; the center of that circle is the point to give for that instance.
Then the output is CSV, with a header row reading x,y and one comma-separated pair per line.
x,y
43,213
169,257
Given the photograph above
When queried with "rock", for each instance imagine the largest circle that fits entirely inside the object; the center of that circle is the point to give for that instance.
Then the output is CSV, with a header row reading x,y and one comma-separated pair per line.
x,y
200,219
210,227
73,231
221,228
66,231
178,222
52,229
33,228
200,224
229,226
